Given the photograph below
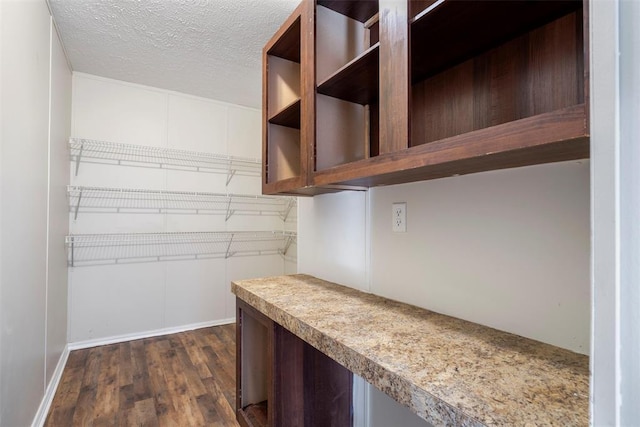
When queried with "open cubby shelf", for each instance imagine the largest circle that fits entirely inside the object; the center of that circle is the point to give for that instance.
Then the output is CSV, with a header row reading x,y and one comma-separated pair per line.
x,y
532,74
284,61
549,137
359,10
289,116
402,91
439,42
358,81
282,380
288,46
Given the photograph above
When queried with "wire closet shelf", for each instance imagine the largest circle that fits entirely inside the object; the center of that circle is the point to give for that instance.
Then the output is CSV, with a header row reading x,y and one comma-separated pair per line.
x,y
98,249
129,200
94,151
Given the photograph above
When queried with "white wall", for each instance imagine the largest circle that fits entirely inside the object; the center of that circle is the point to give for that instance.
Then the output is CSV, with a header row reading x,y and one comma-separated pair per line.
x,y
333,235
333,238
120,300
29,350
508,249
58,225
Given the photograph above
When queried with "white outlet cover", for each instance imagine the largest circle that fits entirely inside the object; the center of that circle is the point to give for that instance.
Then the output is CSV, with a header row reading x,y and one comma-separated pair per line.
x,y
399,217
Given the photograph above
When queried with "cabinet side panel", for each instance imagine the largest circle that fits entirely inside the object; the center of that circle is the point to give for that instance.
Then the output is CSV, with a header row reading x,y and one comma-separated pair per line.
x,y
340,132
327,390
338,40
284,153
394,76
288,379
308,95
284,83
254,361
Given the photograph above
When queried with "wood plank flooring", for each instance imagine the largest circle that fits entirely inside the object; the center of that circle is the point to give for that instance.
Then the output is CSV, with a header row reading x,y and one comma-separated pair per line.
x,y
184,379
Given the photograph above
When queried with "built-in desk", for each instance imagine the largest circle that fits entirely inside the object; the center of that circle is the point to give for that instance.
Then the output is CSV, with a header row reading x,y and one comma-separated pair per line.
x,y
446,370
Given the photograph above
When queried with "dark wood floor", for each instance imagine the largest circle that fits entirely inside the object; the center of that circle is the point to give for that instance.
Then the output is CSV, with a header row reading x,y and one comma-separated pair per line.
x,y
184,379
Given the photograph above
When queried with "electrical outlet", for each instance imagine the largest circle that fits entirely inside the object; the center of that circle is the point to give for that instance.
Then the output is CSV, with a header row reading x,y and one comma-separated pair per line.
x,y
399,217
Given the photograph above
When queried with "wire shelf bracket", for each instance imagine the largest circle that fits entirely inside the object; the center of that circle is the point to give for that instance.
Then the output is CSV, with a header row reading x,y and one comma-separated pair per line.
x,y
79,157
290,204
228,254
288,241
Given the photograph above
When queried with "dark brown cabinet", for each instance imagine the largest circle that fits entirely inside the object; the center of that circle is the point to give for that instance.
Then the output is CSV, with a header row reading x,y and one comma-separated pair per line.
x,y
396,91
284,107
283,381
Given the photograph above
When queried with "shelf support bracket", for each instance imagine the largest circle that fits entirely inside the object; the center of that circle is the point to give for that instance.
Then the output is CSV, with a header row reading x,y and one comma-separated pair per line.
x,y
287,244
229,211
228,254
72,254
230,174
78,157
75,214
288,209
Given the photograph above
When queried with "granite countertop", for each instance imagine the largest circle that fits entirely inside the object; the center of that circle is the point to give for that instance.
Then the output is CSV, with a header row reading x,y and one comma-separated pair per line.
x,y
446,370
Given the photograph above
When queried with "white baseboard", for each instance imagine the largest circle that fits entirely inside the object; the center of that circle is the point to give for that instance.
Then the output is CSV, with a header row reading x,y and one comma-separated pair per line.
x,y
50,392
146,334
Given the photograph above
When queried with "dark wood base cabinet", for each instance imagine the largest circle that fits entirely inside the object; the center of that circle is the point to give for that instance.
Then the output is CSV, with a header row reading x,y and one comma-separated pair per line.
x,y
283,381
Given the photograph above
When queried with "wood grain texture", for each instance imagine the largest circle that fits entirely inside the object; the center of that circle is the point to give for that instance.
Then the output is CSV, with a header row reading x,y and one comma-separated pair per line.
x,y
358,81
394,76
522,103
288,379
184,379
439,42
328,389
533,74
585,31
288,44
509,80
289,116
417,6
292,36
305,387
360,10
551,137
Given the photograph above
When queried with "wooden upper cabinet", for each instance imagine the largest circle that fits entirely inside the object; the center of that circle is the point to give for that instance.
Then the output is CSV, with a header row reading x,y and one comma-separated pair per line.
x,y
347,81
407,91
287,105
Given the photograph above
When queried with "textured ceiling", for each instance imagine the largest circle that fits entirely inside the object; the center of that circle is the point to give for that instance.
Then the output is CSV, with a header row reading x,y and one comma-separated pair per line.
x,y
209,48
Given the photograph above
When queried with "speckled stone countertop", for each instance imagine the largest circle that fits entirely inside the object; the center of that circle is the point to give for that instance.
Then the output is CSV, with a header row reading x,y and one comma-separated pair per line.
x,y
446,370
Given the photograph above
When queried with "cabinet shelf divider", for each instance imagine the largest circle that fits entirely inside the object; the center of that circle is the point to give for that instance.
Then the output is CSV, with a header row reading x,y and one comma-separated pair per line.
x,y
357,81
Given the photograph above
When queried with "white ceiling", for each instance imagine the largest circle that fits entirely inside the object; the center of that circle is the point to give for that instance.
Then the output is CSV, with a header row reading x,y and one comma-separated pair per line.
x,y
209,48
